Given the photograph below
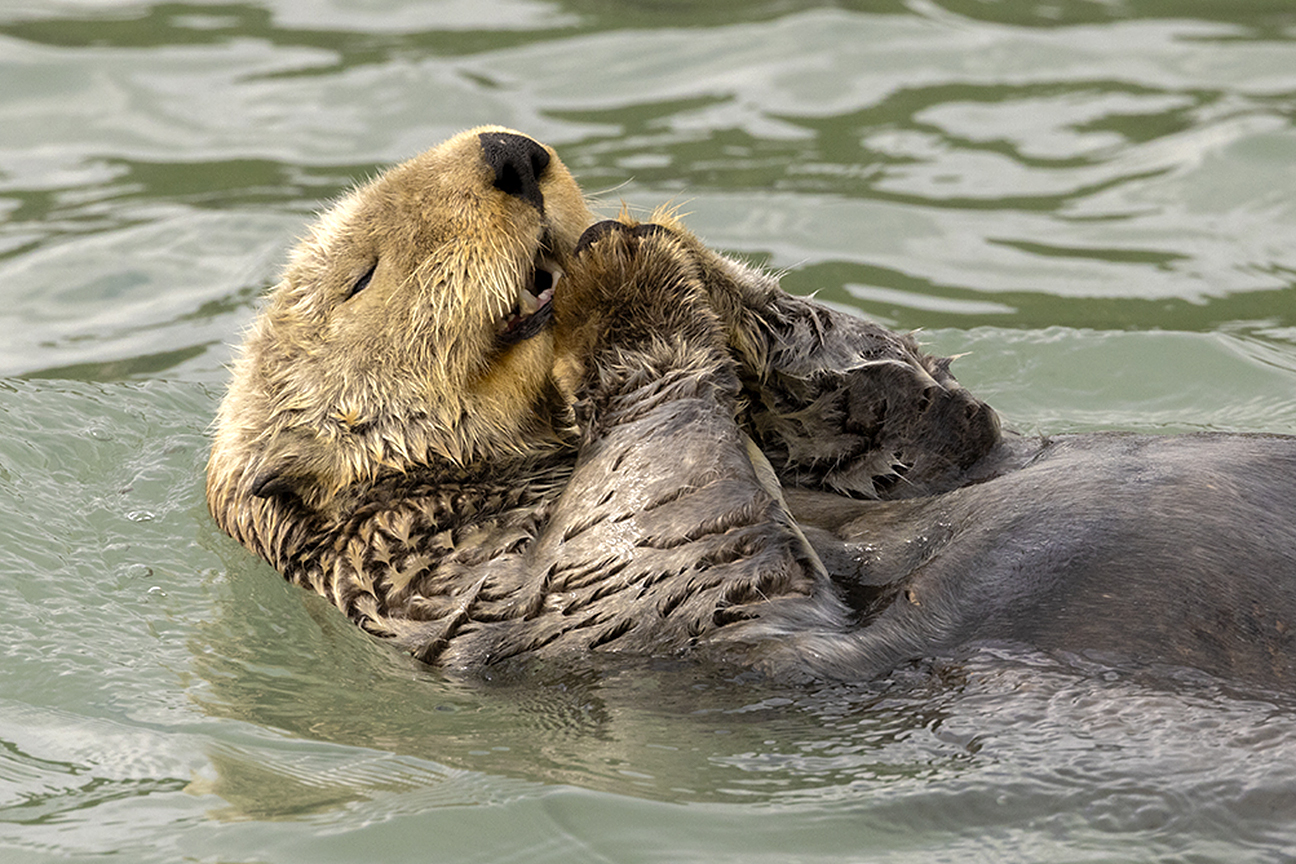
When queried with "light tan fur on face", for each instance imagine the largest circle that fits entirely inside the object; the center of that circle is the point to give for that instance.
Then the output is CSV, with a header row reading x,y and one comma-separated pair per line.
x,y
330,391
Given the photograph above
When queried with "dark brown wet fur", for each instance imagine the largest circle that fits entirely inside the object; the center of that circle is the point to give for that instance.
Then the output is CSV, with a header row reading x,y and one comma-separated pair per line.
x,y
679,459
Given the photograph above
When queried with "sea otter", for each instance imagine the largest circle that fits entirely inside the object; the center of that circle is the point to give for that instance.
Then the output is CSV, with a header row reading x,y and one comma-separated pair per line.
x,y
487,426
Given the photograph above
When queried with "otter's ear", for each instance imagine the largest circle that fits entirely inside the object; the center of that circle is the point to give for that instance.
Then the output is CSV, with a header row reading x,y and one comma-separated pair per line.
x,y
271,481
279,471
293,464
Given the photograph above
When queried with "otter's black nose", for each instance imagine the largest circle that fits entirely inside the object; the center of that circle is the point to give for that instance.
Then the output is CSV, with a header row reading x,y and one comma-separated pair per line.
x,y
518,162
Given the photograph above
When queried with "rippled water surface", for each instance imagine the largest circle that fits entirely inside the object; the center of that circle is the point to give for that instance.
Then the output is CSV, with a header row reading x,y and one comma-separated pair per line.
x,y
1095,200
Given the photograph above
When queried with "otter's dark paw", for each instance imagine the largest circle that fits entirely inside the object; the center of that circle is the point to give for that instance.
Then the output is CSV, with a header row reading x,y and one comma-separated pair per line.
x,y
632,283
599,230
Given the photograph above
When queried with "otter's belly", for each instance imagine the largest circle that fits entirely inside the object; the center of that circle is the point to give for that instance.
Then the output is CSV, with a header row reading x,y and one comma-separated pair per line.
x,y
1178,550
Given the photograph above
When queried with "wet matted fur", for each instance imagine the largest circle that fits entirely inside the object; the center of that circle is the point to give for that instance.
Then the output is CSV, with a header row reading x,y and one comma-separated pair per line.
x,y
487,427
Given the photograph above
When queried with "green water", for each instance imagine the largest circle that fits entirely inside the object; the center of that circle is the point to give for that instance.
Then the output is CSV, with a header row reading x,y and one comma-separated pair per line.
x,y
1094,199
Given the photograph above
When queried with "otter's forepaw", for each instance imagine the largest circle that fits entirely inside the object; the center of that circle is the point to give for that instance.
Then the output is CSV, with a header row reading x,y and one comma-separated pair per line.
x,y
632,283
599,230
635,328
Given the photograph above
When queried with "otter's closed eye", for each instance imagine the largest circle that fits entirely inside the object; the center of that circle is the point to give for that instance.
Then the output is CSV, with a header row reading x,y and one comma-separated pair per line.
x,y
361,282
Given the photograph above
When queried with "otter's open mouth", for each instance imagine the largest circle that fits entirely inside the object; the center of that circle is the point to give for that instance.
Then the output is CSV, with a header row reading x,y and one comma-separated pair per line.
x,y
533,310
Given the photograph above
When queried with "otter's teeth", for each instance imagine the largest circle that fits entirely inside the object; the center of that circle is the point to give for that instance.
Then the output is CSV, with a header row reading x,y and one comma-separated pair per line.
x,y
527,303
547,274
531,300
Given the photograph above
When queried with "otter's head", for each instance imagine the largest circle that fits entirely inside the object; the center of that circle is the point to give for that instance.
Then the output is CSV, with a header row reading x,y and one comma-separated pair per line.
x,y
410,327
